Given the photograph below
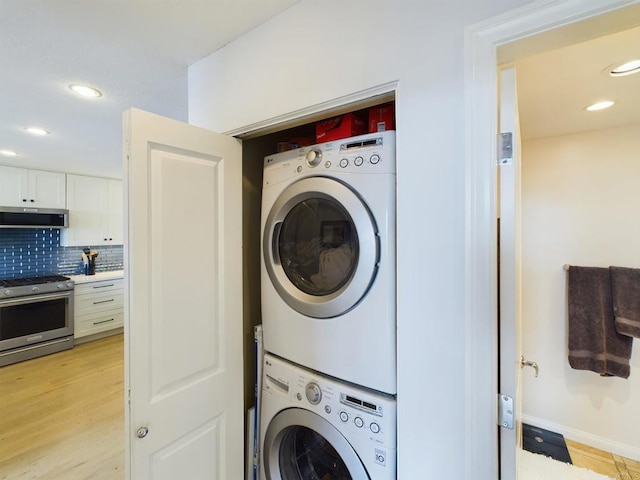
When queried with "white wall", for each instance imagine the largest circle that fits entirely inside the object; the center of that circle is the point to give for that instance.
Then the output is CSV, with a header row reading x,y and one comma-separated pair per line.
x,y
321,50
581,206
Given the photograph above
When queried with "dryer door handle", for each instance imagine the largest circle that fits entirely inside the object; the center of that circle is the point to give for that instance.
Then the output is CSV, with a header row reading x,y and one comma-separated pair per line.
x,y
275,239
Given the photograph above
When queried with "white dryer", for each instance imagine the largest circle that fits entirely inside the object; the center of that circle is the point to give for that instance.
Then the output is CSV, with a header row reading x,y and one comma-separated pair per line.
x,y
313,427
328,258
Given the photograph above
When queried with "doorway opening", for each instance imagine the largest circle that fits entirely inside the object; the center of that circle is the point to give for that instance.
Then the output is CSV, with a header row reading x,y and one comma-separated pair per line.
x,y
566,155
562,25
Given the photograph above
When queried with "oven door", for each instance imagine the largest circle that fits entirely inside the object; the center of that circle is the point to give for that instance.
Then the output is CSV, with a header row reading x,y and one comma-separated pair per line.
x,y
34,319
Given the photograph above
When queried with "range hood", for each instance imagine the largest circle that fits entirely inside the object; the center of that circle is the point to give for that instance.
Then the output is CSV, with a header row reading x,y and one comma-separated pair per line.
x,y
30,217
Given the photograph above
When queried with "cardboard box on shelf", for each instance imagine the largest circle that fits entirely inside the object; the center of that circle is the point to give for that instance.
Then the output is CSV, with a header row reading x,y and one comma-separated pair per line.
x,y
342,126
382,117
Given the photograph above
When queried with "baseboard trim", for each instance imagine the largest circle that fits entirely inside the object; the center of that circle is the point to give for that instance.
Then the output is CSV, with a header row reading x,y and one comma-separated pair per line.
x,y
98,336
596,441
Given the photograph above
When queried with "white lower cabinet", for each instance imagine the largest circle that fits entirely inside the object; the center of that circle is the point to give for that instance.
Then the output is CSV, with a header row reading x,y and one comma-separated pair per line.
x,y
98,307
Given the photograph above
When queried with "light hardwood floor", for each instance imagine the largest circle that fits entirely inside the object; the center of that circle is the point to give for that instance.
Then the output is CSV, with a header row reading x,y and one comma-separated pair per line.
x,y
62,415
62,418
599,461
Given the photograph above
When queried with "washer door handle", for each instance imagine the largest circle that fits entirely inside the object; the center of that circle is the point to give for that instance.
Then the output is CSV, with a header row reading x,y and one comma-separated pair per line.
x,y
275,239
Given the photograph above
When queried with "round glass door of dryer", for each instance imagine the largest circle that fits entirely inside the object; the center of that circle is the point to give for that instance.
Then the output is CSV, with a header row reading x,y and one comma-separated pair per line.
x,y
321,247
300,445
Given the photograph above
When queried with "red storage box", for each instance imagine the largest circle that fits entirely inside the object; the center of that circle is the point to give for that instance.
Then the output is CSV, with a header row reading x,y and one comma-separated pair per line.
x,y
343,126
382,117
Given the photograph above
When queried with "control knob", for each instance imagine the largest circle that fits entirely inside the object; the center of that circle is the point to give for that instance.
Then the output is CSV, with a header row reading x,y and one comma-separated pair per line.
x,y
314,157
35,289
313,392
8,292
69,284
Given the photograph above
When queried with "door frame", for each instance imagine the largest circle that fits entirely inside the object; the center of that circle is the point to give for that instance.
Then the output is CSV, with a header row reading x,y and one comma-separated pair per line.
x,y
481,128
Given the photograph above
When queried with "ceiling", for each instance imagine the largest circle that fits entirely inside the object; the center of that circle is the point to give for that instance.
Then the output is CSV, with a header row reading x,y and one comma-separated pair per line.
x,y
137,53
555,87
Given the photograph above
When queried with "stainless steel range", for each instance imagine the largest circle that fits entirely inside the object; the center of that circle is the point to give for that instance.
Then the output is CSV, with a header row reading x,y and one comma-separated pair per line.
x,y
36,317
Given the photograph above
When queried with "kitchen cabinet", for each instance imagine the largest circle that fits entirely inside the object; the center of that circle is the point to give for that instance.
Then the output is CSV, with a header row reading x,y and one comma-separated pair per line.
x,y
98,306
95,212
34,188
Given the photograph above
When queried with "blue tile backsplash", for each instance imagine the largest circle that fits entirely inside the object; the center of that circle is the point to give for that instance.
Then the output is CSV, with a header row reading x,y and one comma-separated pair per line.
x,y
26,252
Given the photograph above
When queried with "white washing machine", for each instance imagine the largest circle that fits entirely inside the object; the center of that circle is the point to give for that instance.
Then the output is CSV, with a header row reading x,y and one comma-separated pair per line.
x,y
314,428
328,258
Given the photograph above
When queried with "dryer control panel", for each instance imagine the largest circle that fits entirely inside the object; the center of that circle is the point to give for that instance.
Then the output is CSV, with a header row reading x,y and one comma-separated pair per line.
x,y
373,153
363,412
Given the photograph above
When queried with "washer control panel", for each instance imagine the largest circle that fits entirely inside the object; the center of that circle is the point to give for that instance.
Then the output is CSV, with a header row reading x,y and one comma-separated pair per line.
x,y
361,411
373,153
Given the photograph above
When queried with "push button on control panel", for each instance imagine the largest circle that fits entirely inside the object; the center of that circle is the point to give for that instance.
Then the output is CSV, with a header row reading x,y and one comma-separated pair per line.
x,y
358,161
344,416
374,159
344,163
375,428
358,422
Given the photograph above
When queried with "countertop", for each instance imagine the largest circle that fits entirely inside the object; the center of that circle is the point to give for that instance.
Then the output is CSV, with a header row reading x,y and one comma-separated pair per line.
x,y
97,277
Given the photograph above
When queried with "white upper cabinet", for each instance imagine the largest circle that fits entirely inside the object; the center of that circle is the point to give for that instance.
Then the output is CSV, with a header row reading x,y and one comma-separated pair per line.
x,y
34,188
114,233
95,212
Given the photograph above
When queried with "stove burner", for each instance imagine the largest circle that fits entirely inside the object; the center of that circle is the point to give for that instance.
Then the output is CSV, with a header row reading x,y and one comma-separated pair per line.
x,y
18,282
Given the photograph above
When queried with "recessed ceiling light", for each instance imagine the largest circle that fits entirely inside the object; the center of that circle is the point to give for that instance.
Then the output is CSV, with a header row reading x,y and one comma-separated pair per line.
x,y
627,68
85,91
8,153
36,131
599,106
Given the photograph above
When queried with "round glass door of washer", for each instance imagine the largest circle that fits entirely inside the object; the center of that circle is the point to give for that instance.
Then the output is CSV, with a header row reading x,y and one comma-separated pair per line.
x,y
321,247
300,445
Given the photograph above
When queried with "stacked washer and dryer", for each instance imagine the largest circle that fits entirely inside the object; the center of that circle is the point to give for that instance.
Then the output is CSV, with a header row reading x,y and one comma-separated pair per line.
x,y
327,406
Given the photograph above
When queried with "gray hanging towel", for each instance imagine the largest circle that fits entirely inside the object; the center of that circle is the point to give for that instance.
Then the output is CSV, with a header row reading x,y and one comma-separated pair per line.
x,y
625,288
594,343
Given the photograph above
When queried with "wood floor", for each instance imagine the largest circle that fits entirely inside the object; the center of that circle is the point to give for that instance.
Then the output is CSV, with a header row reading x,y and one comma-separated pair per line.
x,y
599,461
62,415
62,418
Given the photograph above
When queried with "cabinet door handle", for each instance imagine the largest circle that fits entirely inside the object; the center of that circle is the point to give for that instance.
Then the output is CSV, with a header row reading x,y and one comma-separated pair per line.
x,y
32,200
104,286
24,199
105,301
104,321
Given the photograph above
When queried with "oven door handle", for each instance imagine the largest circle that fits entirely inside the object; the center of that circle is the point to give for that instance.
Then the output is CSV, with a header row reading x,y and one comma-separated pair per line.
x,y
34,298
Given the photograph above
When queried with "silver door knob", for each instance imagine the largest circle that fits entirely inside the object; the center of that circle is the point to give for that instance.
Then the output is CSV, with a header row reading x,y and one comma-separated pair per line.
x,y
142,432
527,363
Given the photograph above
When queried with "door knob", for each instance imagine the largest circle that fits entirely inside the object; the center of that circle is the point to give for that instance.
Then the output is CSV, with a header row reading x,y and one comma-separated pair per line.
x,y
527,363
142,432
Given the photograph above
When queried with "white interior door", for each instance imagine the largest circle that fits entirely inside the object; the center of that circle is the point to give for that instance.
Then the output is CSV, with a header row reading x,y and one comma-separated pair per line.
x,y
183,334
509,272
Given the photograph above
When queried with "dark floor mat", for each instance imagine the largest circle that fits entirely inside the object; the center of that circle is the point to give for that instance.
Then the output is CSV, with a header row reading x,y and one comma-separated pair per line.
x,y
544,442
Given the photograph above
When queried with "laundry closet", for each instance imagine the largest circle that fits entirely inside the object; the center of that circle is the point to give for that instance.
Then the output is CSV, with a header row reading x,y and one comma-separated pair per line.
x,y
255,147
